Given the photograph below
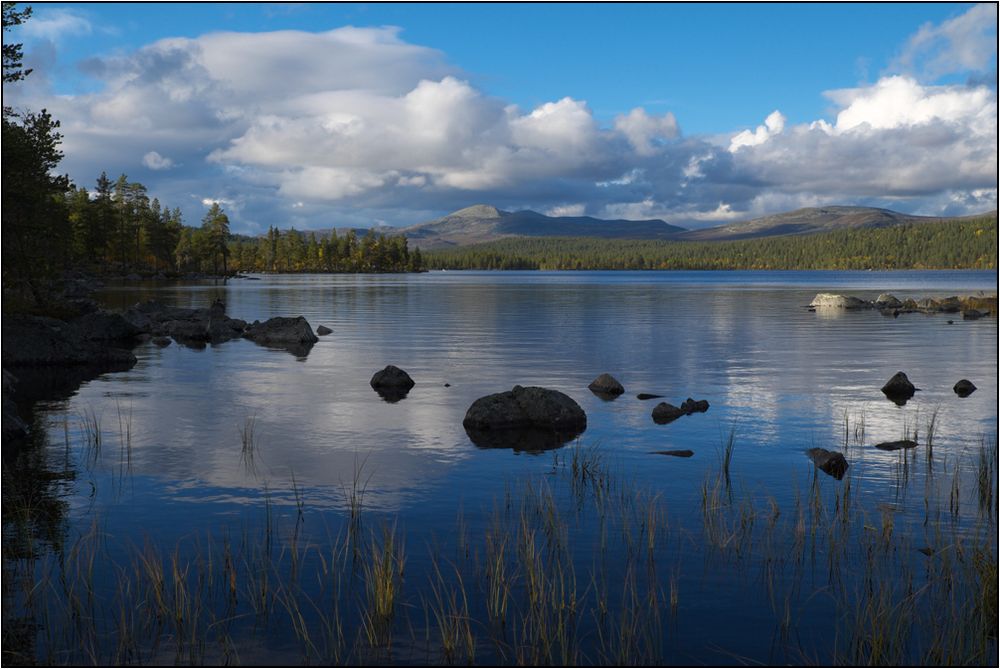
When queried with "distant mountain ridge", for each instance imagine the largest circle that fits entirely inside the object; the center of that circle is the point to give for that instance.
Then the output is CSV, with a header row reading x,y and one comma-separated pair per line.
x,y
812,220
484,223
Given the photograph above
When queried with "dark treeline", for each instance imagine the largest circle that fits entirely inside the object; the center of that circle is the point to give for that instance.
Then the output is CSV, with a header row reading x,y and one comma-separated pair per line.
x,y
957,244
295,251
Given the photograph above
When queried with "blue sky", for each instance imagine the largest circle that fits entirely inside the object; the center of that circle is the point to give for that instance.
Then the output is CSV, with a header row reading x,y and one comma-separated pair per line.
x,y
609,110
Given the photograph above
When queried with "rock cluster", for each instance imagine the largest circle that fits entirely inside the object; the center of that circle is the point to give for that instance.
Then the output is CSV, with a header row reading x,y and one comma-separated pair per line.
x,y
665,412
971,306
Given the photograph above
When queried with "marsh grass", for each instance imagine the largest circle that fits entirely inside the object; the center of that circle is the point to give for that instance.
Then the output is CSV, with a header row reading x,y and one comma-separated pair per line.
x,y
580,567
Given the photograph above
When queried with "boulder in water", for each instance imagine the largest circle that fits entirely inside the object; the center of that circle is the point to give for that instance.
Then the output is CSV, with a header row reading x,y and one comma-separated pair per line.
x,y
834,301
964,388
829,462
896,445
508,419
605,384
898,388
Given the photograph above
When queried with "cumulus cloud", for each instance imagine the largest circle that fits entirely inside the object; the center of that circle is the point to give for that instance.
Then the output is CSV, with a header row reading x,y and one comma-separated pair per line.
x,y
896,138
645,133
357,125
773,125
966,43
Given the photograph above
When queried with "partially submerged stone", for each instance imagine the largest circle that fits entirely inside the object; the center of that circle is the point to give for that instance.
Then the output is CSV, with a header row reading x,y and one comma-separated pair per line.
x,y
391,383
835,301
898,388
896,445
887,301
964,388
679,453
664,413
829,462
524,416
605,384
648,396
322,331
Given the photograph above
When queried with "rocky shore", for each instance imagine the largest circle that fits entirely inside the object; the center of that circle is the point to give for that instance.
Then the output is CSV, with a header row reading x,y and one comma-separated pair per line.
x,y
971,306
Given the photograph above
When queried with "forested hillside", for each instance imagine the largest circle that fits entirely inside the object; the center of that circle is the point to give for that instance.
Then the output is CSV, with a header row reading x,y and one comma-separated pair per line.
x,y
295,251
957,244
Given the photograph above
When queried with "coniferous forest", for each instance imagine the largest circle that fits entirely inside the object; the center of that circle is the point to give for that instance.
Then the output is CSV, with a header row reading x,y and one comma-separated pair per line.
x,y
958,244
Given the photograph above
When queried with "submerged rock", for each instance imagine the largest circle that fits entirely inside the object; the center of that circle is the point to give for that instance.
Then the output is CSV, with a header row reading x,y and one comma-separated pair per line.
x,y
322,331
896,445
898,388
972,314
829,462
540,417
681,453
605,384
647,396
964,388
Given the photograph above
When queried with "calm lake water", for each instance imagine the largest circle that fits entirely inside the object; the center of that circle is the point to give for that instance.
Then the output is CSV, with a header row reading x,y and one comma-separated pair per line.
x,y
779,379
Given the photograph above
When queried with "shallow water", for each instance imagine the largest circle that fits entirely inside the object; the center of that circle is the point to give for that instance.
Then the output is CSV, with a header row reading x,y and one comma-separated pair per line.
x,y
779,378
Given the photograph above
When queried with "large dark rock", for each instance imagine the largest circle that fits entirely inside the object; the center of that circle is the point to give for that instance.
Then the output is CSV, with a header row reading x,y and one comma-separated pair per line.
x,y
605,384
964,388
898,388
524,416
391,383
280,331
829,462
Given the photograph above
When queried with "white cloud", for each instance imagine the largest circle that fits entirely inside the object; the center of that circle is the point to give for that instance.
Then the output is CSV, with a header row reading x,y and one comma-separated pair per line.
x,y
51,25
155,161
898,101
966,43
647,133
577,209
773,125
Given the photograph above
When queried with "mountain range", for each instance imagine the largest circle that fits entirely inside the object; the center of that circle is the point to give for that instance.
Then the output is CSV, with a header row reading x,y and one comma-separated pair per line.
x,y
483,223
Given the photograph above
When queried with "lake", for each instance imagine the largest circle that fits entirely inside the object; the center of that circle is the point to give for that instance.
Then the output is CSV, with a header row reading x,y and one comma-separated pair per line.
x,y
204,449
